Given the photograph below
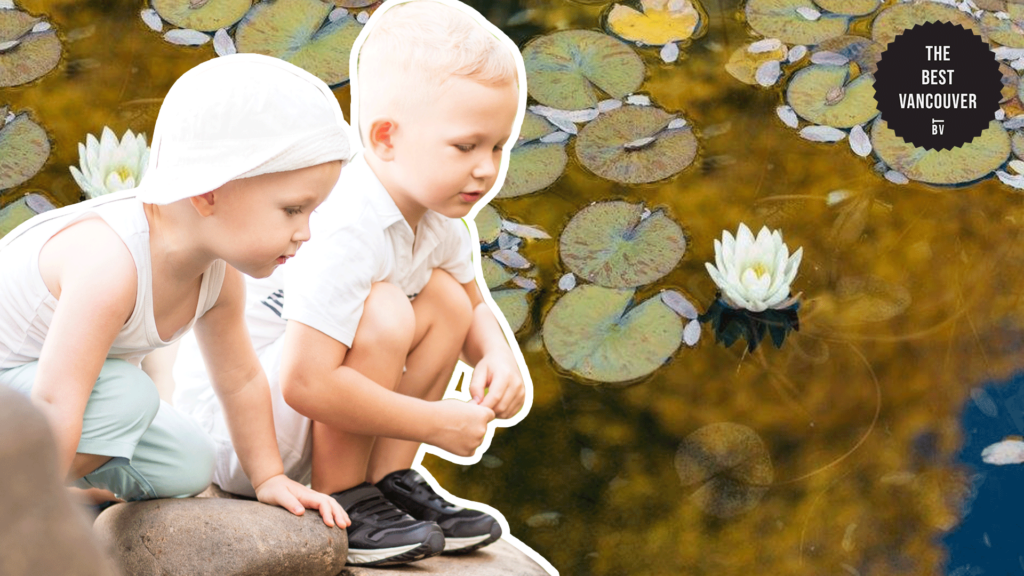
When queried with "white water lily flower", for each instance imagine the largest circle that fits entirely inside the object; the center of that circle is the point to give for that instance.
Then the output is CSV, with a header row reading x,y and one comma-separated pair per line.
x,y
754,273
109,165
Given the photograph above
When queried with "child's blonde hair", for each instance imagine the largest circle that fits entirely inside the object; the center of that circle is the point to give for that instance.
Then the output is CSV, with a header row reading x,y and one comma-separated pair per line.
x,y
417,47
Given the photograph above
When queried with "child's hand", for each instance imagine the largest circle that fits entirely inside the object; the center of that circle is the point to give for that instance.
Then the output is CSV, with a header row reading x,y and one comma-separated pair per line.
x,y
499,374
288,494
462,426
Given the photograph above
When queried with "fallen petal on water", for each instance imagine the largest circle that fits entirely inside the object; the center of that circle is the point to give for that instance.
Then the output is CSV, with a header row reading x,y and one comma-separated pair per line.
x,y
766,45
153,20
524,282
639,143
4,46
1004,452
511,259
337,14
1007,53
362,17
524,231
896,177
508,242
822,134
567,282
860,142
1017,166
223,45
608,105
788,116
831,58
565,125
1014,180
691,333
555,137
679,304
796,53
638,100
676,124
1000,114
768,73
670,52
41,27
808,13
186,37
1014,123
6,4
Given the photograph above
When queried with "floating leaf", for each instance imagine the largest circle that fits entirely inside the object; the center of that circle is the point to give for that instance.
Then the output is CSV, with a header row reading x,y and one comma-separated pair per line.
x,y
1006,31
822,134
661,22
488,224
862,51
513,305
29,54
204,16
533,167
567,68
730,463
743,64
610,244
900,17
601,145
14,213
186,37
494,274
825,95
781,19
24,148
849,7
592,332
298,31
959,165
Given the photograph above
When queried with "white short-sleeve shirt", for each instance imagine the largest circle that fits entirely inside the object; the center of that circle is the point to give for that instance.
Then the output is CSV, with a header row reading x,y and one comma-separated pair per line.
x,y
358,237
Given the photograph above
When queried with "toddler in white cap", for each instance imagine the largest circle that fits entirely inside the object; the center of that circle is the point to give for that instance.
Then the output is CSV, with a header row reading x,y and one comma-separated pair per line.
x,y
245,147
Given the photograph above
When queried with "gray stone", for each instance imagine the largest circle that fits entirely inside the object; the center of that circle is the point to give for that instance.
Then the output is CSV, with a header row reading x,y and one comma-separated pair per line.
x,y
498,559
42,531
219,536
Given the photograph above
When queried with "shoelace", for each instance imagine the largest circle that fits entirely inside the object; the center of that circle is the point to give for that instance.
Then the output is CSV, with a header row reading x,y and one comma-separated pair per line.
x,y
377,506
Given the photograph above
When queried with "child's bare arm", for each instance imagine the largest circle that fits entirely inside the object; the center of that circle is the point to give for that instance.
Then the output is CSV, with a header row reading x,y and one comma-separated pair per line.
x,y
241,385
92,274
316,384
494,366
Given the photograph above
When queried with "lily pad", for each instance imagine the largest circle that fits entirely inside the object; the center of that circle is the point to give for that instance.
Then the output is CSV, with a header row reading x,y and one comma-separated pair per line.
x,y
592,332
864,52
744,64
611,244
1008,32
488,224
21,210
849,7
897,18
660,22
513,305
494,274
533,167
204,15
782,19
298,31
636,145
730,463
24,148
570,69
824,94
534,127
31,53
960,165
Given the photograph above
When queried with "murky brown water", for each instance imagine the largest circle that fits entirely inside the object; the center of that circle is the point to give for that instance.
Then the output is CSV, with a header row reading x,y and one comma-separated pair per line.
x,y
911,299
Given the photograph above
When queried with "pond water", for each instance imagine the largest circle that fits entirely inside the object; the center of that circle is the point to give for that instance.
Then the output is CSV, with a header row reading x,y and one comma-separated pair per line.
x,y
853,448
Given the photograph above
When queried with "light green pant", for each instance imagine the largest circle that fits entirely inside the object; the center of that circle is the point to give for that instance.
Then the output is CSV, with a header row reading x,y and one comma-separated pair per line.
x,y
156,451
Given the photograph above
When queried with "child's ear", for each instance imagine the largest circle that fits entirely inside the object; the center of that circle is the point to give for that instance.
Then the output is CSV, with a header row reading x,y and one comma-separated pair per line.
x,y
203,203
381,133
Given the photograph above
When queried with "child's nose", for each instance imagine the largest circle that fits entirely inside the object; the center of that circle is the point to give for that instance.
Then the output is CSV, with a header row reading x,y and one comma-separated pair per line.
x,y
488,167
303,234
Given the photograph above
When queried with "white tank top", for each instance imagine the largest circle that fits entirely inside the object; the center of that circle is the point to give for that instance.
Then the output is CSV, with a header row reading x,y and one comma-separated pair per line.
x,y
27,307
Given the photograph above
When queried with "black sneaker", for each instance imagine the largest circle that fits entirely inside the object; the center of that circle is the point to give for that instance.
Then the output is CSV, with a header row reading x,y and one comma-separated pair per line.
x,y
464,530
381,534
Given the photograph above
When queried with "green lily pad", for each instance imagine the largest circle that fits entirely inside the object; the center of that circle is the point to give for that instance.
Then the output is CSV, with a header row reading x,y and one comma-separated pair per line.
x,y
611,244
488,224
897,18
35,53
534,127
730,463
781,19
960,165
569,69
636,145
203,15
298,31
592,332
850,7
494,274
743,64
24,148
513,305
862,51
823,94
1008,32
533,167
21,210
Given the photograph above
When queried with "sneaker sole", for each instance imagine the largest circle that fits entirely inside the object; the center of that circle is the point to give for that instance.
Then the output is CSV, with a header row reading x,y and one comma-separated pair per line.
x,y
433,546
456,546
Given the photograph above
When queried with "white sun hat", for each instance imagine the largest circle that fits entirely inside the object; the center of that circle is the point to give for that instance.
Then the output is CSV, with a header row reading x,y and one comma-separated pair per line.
x,y
239,116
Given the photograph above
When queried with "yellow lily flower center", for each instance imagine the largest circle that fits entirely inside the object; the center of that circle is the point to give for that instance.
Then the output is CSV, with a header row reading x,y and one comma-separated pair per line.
x,y
759,269
123,172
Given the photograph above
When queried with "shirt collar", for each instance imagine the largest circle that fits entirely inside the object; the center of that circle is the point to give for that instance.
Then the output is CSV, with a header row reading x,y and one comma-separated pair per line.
x,y
364,178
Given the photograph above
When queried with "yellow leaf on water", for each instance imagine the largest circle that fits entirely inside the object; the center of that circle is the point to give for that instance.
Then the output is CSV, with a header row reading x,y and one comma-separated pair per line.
x,y
661,22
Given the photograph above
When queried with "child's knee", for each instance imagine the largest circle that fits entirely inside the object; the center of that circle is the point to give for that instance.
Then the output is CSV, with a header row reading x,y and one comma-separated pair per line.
x,y
455,302
195,456
388,320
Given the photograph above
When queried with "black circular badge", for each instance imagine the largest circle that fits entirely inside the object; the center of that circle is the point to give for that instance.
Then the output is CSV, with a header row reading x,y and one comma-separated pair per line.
x,y
938,85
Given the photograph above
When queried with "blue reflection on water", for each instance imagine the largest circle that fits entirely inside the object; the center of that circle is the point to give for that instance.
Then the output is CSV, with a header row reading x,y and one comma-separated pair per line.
x,y
990,539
